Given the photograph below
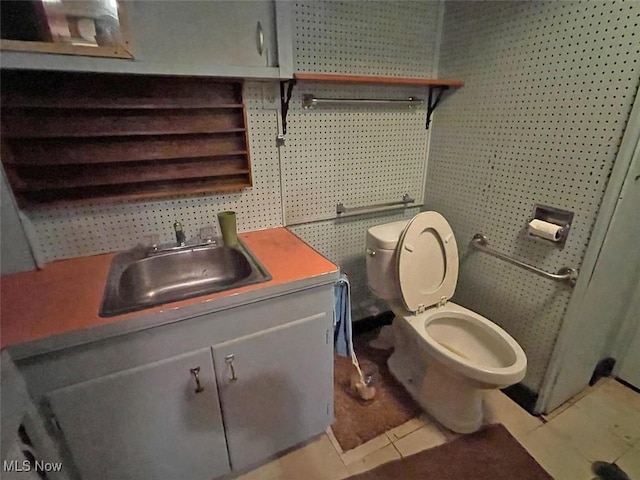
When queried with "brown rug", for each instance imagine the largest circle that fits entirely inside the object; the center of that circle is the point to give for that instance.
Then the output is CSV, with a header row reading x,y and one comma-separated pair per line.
x,y
490,454
358,421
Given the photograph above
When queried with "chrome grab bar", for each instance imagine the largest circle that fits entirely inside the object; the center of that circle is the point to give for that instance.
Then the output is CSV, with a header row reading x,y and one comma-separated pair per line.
x,y
343,211
565,274
309,101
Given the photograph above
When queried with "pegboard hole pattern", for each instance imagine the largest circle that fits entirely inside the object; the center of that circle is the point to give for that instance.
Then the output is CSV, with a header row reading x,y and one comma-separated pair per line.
x,y
92,228
343,242
367,37
519,303
548,90
355,155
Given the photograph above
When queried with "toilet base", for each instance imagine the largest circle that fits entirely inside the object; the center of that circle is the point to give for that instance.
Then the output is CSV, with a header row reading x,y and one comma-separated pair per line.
x,y
450,400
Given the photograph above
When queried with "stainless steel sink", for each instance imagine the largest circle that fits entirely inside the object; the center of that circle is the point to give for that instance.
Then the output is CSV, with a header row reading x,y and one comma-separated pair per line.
x,y
139,280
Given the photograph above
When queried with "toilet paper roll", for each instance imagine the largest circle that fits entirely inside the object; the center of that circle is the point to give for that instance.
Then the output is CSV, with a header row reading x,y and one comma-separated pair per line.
x,y
546,230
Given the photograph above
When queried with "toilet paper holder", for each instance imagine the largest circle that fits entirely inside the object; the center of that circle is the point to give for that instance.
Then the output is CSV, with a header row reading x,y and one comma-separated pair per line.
x,y
557,216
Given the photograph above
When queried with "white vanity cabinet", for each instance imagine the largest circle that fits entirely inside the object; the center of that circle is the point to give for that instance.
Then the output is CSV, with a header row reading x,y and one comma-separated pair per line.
x,y
126,406
145,422
275,388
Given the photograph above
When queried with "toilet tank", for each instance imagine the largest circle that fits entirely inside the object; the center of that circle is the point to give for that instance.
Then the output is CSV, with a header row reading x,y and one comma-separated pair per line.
x,y
382,275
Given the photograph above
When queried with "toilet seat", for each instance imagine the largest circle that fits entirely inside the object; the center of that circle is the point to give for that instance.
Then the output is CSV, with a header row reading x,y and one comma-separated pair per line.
x,y
427,262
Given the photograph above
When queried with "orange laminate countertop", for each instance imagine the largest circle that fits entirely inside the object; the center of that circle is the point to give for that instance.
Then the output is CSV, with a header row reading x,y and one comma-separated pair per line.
x,y
65,296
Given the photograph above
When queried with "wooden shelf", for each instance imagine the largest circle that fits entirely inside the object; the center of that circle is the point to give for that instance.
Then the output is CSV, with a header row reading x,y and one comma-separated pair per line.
x,y
365,79
435,85
41,123
136,191
120,104
122,149
69,137
74,176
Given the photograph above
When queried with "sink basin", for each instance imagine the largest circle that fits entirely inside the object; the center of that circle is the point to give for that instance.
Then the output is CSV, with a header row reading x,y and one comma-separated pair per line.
x,y
137,281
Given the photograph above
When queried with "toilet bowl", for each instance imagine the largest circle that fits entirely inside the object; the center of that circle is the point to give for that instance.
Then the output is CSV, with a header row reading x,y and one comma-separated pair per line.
x,y
445,355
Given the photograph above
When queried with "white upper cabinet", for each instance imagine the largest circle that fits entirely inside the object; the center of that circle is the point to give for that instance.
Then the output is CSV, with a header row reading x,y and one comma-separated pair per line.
x,y
213,38
229,33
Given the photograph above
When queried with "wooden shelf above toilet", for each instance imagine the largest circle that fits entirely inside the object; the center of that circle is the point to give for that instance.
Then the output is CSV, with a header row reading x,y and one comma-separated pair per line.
x,y
375,80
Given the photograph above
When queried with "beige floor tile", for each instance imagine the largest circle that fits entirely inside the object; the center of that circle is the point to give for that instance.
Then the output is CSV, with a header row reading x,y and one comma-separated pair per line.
x,y
586,391
558,411
269,471
501,409
423,438
590,389
630,462
334,441
406,428
610,409
620,394
556,456
317,460
449,435
592,438
365,449
384,455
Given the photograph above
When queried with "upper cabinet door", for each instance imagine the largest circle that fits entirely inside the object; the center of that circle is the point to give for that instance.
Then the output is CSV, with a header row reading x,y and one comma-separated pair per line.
x,y
219,38
234,33
147,422
276,387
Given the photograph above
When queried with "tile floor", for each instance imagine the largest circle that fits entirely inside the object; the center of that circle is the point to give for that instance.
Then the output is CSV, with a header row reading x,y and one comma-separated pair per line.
x,y
601,423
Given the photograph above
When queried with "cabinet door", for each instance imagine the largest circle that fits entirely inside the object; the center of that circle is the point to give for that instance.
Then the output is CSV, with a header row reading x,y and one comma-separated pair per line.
x,y
147,422
283,388
213,32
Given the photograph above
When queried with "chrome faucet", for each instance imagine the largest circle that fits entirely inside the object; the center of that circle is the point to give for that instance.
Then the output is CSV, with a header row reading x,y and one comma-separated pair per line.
x,y
204,239
181,238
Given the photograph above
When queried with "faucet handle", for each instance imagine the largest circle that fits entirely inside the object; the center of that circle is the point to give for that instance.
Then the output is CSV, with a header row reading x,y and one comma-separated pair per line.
x,y
151,241
181,238
206,234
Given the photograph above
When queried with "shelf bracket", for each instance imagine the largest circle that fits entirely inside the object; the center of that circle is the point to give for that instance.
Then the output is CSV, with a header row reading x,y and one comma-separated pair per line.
x,y
433,103
286,90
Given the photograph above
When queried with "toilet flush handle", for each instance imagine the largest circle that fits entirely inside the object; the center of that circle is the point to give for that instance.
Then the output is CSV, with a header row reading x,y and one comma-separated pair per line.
x,y
371,253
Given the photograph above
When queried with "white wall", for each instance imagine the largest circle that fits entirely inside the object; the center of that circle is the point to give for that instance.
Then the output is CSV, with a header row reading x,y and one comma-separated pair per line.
x,y
548,91
15,253
602,318
361,155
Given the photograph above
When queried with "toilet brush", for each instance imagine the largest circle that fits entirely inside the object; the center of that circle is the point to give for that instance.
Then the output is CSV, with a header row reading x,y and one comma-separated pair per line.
x,y
358,383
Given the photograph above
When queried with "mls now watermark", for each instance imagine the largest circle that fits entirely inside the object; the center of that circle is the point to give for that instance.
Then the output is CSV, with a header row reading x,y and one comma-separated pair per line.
x,y
27,466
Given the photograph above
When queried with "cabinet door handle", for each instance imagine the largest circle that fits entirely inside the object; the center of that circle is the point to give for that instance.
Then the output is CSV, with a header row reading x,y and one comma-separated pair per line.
x,y
196,374
260,37
229,360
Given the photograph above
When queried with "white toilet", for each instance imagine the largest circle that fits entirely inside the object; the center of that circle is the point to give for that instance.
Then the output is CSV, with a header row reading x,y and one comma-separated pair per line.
x,y
445,355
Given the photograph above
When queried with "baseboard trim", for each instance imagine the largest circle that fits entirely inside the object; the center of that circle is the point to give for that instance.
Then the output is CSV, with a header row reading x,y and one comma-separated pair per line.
x,y
371,323
627,384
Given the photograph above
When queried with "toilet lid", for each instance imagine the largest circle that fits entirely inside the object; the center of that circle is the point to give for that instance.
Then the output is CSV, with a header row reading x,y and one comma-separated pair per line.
x,y
427,261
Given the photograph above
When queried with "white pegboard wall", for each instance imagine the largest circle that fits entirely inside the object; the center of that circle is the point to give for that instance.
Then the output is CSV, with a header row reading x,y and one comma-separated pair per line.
x,y
548,90
382,38
92,228
355,155
343,242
